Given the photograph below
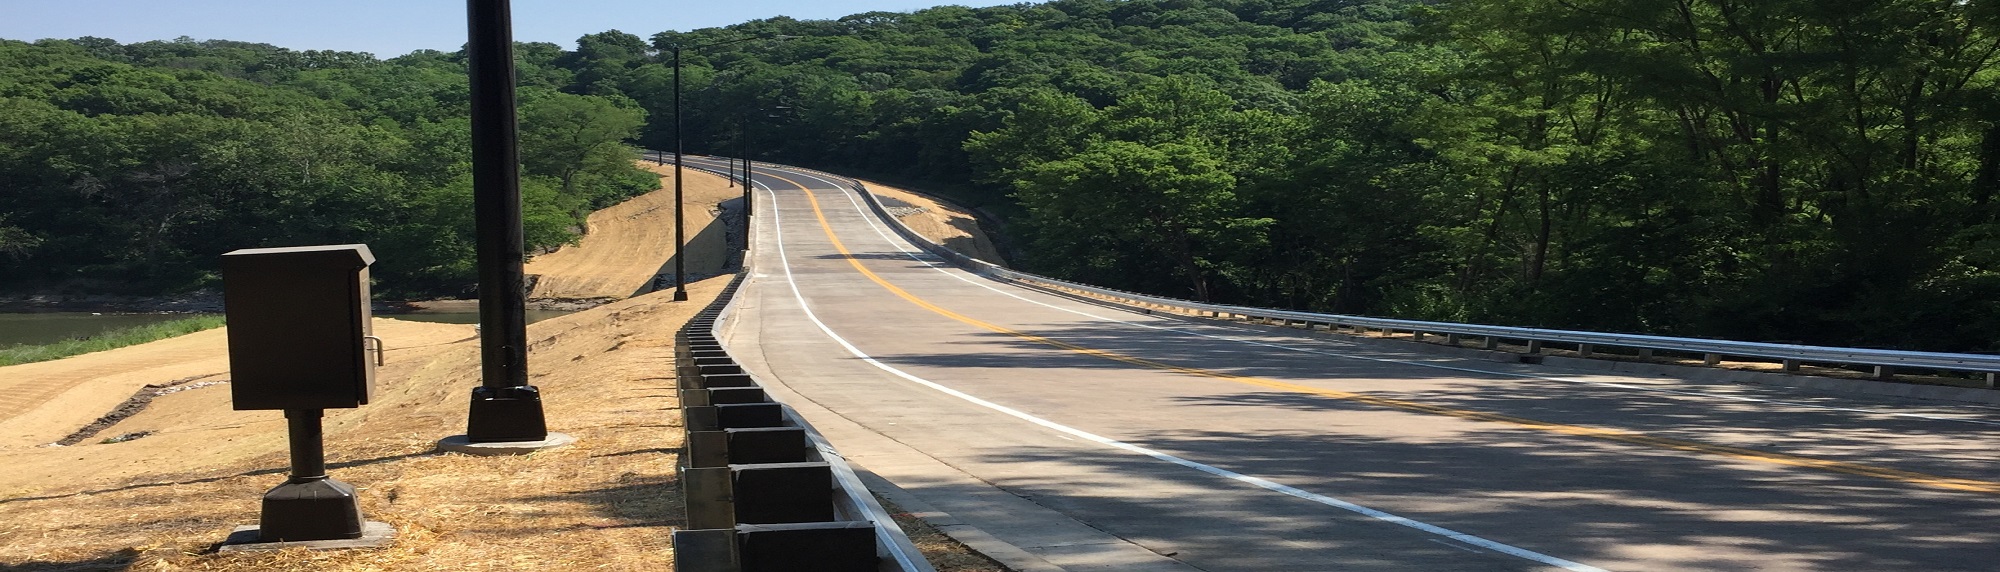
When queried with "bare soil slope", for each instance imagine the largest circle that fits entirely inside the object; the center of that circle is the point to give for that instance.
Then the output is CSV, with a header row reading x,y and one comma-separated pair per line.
x,y
627,244
161,502
943,223
51,399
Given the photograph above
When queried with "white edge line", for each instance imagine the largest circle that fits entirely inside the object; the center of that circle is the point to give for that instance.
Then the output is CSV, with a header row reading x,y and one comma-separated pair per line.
x,y
1522,553
779,233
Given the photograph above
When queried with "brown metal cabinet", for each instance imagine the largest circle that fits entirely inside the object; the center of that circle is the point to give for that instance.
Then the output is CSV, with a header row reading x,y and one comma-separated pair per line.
x,y
299,329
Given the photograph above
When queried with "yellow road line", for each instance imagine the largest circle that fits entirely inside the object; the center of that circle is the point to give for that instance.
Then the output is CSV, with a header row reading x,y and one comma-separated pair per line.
x,y
1616,435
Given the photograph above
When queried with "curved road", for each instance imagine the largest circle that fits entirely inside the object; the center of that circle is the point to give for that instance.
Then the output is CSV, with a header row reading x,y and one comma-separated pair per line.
x,y
1097,438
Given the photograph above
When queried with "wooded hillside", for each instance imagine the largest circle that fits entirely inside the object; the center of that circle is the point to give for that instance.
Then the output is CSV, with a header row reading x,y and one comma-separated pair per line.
x,y
1778,170
131,168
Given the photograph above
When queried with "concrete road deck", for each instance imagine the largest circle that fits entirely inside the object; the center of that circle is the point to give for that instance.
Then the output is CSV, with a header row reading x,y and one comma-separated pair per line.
x,y
1093,438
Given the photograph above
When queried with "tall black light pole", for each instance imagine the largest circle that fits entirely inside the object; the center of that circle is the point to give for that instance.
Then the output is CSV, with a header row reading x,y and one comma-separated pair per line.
x,y
680,206
504,407
749,186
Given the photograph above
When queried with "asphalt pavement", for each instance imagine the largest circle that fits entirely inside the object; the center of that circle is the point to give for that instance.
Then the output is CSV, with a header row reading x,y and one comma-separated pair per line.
x,y
1062,434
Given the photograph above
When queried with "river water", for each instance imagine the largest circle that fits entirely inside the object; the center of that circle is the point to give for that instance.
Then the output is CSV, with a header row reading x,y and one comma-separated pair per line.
x,y
51,327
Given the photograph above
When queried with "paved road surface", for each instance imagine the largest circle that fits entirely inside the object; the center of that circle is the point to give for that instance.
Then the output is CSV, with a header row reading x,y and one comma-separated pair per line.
x,y
1091,437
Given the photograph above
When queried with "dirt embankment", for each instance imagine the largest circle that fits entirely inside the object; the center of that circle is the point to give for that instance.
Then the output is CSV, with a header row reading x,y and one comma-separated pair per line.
x,y
197,468
626,245
161,501
944,223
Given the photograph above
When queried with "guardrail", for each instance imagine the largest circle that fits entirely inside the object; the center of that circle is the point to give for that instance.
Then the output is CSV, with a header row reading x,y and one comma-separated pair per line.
x,y
1791,356
764,491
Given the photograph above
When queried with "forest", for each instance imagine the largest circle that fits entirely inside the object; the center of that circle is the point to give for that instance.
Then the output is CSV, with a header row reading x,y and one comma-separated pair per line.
x,y
1769,170
131,168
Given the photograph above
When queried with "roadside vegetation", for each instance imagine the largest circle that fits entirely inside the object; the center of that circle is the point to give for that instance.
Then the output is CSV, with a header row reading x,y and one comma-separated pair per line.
x,y
132,168
1777,171
114,339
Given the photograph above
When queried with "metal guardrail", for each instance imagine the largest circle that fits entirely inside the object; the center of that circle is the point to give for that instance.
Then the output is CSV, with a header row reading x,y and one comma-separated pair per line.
x,y
1884,362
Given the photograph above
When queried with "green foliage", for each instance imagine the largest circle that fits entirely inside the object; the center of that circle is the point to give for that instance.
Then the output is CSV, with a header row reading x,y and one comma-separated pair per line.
x,y
1780,170
111,340
131,168
1784,170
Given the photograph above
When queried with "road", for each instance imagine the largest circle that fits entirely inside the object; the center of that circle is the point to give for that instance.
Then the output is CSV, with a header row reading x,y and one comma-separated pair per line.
x,y
1092,437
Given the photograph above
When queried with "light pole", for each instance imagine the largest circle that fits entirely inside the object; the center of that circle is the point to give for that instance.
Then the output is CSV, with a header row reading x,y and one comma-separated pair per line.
x,y
680,204
505,409
749,183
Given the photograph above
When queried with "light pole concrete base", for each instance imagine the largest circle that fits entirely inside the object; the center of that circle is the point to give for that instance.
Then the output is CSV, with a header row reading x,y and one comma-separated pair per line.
x,y
459,444
374,534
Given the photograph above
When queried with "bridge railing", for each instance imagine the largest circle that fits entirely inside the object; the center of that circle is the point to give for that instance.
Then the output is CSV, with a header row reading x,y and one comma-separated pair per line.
x,y
1885,363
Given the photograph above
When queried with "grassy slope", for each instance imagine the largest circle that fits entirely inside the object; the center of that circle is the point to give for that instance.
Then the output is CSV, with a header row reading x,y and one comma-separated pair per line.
x,y
113,339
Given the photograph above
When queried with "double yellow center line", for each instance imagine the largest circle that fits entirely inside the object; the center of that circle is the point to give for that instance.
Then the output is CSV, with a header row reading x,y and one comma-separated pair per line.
x,y
1615,435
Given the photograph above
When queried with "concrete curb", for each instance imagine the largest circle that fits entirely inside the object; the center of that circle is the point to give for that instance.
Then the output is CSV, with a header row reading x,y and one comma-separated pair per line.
x,y
1011,556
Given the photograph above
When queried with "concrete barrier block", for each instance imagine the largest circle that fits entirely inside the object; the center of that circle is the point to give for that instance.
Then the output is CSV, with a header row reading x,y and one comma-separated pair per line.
x,y
768,445
820,547
719,369
740,415
721,380
774,493
734,395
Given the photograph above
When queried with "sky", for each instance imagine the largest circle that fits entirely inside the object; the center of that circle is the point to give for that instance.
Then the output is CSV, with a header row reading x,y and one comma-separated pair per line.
x,y
392,28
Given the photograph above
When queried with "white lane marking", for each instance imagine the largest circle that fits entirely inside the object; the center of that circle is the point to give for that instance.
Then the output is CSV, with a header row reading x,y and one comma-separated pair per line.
x,y
1522,553
948,271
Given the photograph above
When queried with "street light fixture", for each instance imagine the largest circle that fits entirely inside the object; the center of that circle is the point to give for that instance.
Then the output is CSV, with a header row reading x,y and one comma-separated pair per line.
x,y
680,204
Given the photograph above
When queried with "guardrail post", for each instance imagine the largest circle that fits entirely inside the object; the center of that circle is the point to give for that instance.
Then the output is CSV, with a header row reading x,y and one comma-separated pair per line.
x,y
709,498
712,550
1792,365
1711,359
1585,350
1492,343
694,398
1645,353
1452,339
699,418
707,449
1534,346
1416,335
1884,372
1991,377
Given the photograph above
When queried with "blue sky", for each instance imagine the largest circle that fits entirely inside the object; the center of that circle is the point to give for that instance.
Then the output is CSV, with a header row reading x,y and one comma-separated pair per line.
x,y
392,28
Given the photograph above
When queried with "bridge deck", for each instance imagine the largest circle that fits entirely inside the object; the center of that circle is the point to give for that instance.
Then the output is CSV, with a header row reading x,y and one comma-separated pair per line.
x,y
1095,437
